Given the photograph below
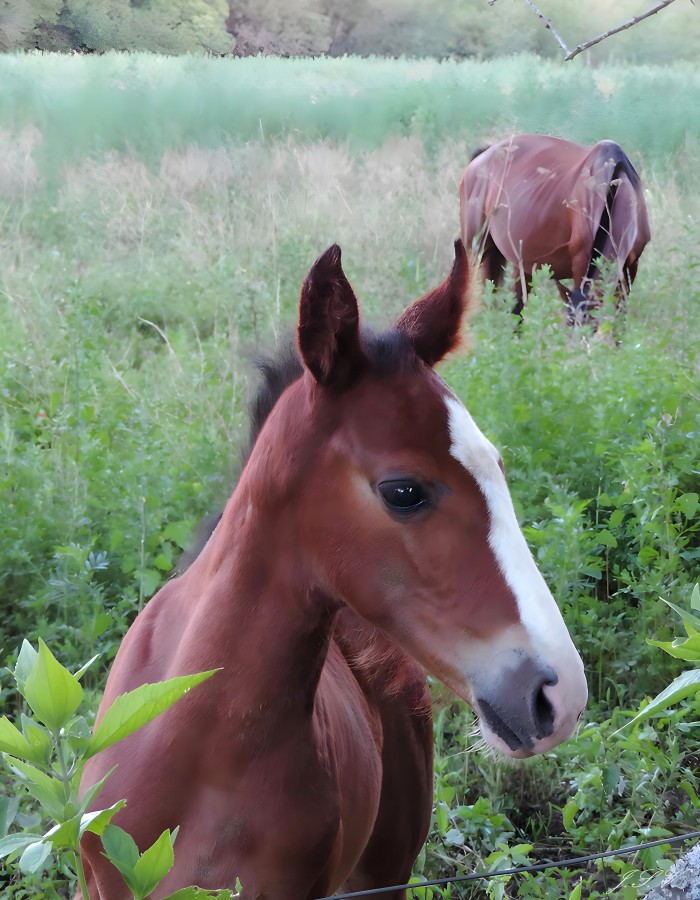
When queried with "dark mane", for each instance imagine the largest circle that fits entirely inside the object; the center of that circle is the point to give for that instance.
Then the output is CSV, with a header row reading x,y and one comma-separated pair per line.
x,y
276,372
388,353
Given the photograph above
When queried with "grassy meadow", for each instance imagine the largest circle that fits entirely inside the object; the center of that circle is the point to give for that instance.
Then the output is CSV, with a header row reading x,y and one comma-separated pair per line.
x,y
157,217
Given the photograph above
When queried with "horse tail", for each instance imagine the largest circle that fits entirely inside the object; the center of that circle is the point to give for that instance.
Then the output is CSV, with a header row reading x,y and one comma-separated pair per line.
x,y
479,151
610,152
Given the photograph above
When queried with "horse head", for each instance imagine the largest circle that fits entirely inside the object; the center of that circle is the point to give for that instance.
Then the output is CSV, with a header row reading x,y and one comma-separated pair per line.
x,y
401,511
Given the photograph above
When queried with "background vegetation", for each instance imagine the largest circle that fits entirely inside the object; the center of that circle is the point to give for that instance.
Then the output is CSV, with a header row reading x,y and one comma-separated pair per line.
x,y
417,28
157,217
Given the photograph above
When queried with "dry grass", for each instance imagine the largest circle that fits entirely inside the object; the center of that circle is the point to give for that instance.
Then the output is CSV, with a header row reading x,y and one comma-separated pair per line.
x,y
239,225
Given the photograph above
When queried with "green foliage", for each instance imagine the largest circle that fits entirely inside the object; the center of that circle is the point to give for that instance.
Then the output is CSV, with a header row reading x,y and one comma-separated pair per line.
x,y
46,756
136,284
140,871
159,26
687,648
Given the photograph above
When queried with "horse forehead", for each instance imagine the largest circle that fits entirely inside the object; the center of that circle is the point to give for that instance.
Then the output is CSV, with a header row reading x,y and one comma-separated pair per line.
x,y
469,445
405,411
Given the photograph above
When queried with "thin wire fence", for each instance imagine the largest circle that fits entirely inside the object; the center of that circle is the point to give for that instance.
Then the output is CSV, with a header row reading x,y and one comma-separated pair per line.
x,y
573,863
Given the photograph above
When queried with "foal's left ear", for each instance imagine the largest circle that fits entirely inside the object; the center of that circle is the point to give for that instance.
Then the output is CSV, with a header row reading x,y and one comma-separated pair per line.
x,y
329,323
432,323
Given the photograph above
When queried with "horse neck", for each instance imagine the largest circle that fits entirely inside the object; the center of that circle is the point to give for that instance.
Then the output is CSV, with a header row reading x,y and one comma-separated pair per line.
x,y
259,613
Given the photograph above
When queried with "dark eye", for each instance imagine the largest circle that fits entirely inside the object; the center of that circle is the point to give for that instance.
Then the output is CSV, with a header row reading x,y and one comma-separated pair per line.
x,y
403,496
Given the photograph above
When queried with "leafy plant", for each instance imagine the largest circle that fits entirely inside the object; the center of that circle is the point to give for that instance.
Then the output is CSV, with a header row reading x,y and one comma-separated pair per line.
x,y
688,649
46,755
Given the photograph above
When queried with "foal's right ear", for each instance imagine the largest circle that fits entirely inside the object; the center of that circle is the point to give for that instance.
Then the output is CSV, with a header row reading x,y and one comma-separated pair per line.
x,y
329,323
432,324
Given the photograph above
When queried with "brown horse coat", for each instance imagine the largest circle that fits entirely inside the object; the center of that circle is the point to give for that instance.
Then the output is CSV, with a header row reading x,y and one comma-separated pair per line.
x,y
533,200
371,534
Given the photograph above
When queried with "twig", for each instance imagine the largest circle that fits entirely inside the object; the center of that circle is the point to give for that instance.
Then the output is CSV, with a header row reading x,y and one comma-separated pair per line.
x,y
570,54
623,27
548,24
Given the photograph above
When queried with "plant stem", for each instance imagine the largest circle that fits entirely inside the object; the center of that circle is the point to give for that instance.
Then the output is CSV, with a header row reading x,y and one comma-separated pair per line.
x,y
80,871
65,779
65,775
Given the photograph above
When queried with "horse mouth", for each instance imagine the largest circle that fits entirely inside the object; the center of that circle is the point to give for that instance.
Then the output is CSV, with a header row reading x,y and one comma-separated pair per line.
x,y
498,725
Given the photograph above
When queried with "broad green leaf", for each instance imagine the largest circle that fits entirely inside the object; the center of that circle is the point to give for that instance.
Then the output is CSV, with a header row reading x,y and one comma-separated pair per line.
x,y
64,835
77,733
681,648
695,597
690,791
51,691
442,814
48,791
686,684
26,661
179,532
102,623
39,738
616,518
568,813
97,821
68,834
12,741
416,892
688,618
92,792
688,504
150,580
611,778
8,811
120,848
606,538
154,863
13,842
162,562
576,893
83,669
34,856
133,710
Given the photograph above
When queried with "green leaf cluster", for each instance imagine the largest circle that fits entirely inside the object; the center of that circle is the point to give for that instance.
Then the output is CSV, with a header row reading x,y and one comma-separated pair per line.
x,y
688,649
46,754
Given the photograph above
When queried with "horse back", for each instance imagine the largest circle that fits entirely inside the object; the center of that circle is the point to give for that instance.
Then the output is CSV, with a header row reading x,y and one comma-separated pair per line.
x,y
518,190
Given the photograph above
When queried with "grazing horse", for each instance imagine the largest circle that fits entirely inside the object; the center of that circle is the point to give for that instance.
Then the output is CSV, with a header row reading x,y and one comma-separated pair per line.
x,y
371,534
532,200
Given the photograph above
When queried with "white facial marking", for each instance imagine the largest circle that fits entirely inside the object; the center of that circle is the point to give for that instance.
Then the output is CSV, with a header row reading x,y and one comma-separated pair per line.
x,y
539,613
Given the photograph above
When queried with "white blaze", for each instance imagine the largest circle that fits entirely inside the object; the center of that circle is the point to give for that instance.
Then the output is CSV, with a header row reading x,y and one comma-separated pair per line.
x,y
539,613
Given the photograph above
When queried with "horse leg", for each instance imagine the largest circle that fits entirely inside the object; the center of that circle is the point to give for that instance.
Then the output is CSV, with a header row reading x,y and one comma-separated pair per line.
x,y
624,286
492,262
579,300
521,287
405,806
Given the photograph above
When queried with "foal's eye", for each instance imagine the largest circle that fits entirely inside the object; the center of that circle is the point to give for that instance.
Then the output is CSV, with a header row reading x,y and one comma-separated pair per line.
x,y
403,496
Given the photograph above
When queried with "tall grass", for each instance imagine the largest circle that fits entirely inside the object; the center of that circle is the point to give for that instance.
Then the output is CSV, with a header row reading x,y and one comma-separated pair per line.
x,y
88,105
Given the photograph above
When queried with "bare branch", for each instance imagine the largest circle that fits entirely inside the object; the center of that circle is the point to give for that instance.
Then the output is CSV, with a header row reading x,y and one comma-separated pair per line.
x,y
633,21
570,54
548,24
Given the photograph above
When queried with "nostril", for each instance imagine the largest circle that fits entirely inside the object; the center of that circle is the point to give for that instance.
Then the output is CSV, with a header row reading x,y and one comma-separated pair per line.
x,y
543,713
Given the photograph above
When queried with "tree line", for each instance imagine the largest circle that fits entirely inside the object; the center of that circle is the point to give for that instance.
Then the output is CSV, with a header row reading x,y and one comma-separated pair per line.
x,y
415,28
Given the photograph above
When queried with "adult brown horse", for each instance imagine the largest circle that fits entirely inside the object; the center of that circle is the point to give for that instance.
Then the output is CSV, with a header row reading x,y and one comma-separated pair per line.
x,y
532,200
371,533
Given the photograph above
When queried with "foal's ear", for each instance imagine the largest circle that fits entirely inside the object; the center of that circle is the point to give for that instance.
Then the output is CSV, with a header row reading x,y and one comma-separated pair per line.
x,y
432,323
329,323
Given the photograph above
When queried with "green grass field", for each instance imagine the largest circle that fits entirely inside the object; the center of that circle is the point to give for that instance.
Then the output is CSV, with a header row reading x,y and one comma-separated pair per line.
x,y
156,219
